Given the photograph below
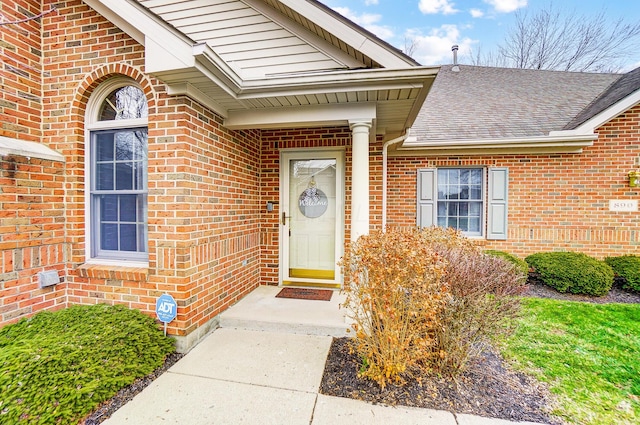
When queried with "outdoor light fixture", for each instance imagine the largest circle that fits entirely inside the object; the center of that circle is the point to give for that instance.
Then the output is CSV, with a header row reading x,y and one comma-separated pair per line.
x,y
634,178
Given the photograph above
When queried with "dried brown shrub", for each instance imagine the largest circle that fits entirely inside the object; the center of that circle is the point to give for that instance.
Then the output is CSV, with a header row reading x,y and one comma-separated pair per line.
x,y
483,294
424,299
394,288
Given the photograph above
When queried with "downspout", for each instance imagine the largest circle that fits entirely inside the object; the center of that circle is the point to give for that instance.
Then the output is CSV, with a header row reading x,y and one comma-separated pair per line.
x,y
385,148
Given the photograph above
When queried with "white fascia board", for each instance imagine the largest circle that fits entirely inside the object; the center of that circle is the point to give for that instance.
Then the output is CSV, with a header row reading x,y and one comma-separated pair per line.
x,y
298,30
208,62
523,145
605,116
10,146
305,116
165,48
370,79
349,33
187,89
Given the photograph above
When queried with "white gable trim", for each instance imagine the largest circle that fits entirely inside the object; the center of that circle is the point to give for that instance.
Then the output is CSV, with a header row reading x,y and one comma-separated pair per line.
x,y
350,33
605,116
164,49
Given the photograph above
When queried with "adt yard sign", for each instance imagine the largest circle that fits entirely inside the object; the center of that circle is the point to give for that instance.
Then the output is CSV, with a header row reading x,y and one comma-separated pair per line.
x,y
166,309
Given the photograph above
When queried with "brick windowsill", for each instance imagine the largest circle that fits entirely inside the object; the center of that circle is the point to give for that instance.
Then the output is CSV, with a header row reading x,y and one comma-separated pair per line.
x,y
101,271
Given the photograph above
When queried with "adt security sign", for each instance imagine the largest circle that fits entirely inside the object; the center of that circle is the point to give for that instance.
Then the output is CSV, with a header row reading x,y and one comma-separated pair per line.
x,y
166,308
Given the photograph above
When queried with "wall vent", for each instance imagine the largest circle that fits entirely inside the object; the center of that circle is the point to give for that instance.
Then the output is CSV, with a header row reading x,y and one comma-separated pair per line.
x,y
48,278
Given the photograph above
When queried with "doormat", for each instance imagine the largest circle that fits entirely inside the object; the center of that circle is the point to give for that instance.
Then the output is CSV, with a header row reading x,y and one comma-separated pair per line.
x,y
306,294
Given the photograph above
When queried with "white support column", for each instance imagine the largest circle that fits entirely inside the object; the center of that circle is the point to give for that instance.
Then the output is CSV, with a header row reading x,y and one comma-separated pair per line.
x,y
360,178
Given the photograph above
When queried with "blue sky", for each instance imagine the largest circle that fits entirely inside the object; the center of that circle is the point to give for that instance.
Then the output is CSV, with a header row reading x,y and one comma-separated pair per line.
x,y
472,24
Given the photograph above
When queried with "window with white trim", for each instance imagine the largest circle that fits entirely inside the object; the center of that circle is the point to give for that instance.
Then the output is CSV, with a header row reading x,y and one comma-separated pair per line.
x,y
460,198
117,171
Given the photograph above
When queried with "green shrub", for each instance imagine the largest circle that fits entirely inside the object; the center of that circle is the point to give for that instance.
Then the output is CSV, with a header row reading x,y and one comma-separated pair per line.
x,y
394,290
626,267
55,368
572,272
518,262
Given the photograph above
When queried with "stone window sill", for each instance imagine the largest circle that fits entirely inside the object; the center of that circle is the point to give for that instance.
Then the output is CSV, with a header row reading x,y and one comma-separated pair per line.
x,y
101,271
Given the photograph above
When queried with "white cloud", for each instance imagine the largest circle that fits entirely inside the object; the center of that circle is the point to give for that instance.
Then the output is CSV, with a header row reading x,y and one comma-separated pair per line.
x,y
368,21
506,6
437,6
476,13
370,2
434,48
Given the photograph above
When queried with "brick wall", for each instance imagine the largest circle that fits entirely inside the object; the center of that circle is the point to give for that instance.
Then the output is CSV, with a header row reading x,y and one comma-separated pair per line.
x,y
556,202
21,72
32,219
203,207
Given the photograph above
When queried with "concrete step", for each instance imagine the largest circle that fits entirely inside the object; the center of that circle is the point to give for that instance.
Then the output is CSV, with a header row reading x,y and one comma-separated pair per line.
x,y
262,311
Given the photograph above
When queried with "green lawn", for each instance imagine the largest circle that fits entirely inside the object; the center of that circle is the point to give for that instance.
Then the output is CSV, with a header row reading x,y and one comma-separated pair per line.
x,y
55,368
589,354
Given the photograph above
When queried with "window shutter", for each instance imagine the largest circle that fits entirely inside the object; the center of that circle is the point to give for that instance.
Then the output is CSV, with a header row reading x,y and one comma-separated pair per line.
x,y
426,197
497,203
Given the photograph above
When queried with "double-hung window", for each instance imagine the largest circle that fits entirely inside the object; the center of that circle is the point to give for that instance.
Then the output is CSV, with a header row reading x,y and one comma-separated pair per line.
x,y
117,165
462,198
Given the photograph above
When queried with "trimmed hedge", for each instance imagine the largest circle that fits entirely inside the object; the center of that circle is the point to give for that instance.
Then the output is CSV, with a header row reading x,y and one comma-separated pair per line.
x,y
57,367
626,267
519,263
572,272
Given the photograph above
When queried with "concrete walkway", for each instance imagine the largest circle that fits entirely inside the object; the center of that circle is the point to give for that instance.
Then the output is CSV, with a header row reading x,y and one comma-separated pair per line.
x,y
268,371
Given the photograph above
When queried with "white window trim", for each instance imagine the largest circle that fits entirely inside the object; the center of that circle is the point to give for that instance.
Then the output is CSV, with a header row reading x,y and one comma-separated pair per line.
x,y
91,124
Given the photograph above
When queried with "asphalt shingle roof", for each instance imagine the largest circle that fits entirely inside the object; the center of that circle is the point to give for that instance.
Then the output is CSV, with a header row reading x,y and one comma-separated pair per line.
x,y
494,103
621,88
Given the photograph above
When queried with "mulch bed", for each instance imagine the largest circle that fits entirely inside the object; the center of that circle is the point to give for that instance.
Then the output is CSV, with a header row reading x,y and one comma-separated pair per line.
x,y
106,409
488,388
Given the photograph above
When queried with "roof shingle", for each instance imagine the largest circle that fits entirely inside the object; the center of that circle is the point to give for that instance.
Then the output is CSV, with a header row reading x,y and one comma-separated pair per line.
x,y
494,103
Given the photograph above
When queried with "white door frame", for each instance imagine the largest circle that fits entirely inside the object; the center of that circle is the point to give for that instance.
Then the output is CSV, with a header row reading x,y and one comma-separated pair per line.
x,y
287,155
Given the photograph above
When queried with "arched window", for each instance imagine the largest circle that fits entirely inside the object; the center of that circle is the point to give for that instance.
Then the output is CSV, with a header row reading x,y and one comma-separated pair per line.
x,y
116,125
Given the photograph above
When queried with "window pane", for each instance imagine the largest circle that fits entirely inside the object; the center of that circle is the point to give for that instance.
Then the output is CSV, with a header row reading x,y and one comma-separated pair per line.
x,y
124,146
474,209
109,236
460,199
108,208
104,176
142,237
105,146
476,177
128,237
128,208
124,103
124,176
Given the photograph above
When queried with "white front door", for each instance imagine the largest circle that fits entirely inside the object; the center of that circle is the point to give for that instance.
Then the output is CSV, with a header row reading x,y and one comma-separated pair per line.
x,y
312,216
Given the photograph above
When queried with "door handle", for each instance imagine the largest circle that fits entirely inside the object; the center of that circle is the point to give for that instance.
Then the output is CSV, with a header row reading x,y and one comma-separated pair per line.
x,y
284,218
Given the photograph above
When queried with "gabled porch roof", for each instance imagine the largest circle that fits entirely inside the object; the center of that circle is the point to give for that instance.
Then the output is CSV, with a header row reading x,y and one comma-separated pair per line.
x,y
274,63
